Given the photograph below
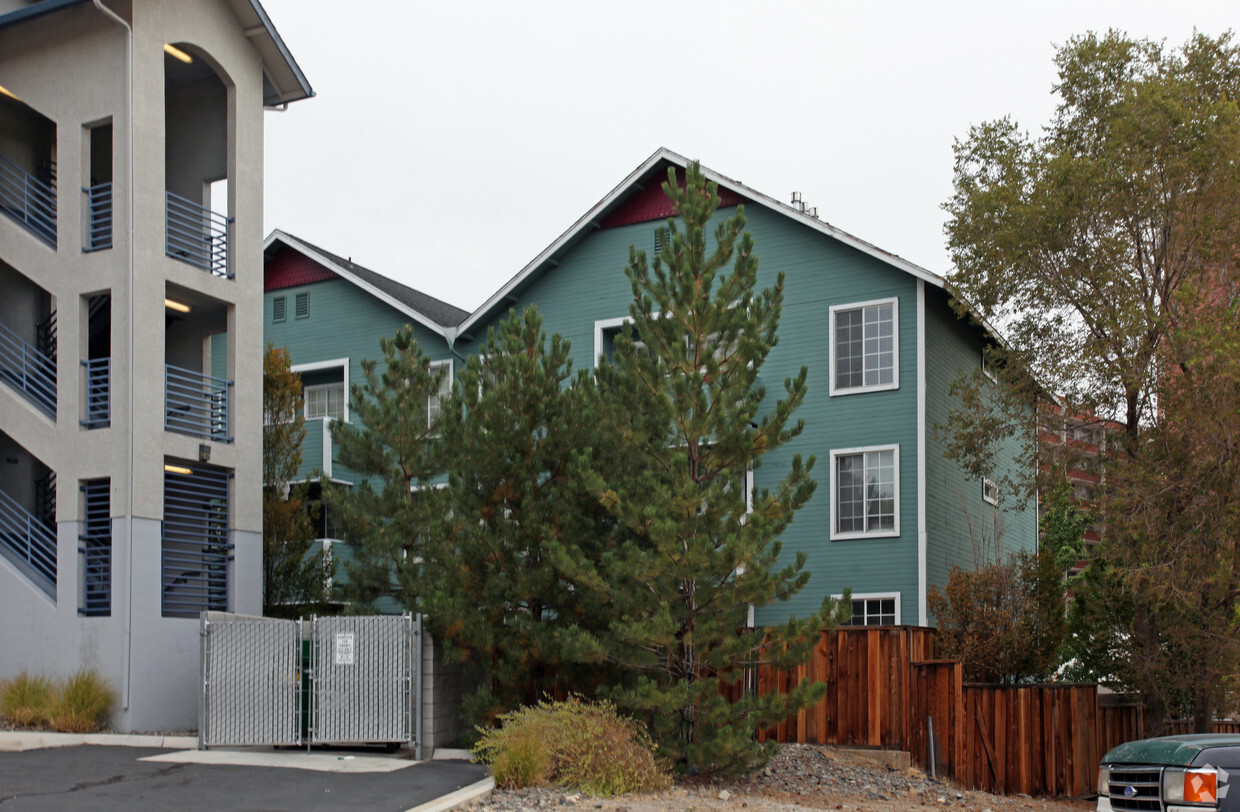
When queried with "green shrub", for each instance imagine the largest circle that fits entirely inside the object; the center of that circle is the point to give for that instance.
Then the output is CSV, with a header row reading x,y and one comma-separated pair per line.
x,y
583,746
84,702
27,699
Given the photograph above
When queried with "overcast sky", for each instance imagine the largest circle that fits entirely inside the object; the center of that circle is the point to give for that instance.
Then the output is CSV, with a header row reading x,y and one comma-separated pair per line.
x,y
449,143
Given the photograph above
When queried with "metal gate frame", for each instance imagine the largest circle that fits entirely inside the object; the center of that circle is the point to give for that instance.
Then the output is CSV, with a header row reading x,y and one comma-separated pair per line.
x,y
342,680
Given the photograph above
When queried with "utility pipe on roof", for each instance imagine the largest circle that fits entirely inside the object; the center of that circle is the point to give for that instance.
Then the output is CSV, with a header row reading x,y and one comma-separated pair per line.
x,y
127,662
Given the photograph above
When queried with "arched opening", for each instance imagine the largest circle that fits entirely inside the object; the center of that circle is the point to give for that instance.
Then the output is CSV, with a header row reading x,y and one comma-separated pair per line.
x,y
196,143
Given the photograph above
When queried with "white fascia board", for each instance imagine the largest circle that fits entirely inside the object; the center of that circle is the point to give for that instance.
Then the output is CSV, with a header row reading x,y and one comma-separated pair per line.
x,y
582,223
663,154
346,274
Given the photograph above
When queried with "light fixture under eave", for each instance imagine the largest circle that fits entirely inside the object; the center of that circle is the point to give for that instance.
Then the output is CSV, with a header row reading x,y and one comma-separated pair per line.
x,y
177,306
4,91
177,53
177,469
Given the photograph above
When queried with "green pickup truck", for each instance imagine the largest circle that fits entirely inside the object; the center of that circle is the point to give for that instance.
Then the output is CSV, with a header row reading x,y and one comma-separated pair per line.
x,y
1171,774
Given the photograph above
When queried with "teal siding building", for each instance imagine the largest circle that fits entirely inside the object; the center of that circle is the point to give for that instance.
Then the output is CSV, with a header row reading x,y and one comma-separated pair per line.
x,y
882,345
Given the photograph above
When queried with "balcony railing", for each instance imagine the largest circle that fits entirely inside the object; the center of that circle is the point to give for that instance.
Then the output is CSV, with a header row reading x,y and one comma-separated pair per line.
x,y
30,540
96,549
196,550
28,371
28,200
98,393
196,404
98,217
198,236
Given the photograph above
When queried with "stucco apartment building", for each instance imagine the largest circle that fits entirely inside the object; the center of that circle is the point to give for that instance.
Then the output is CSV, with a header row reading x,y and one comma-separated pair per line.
x,y
131,199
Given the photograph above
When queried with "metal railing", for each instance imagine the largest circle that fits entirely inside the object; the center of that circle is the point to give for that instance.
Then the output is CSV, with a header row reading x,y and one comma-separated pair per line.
x,y
196,551
196,404
198,236
98,216
96,549
28,371
28,200
98,393
31,540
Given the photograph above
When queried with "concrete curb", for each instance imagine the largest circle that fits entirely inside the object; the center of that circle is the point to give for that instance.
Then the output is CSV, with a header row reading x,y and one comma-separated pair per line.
x,y
459,799
18,741
451,754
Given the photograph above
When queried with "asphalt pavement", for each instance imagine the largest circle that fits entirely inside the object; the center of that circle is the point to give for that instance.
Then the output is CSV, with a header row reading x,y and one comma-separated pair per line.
x,y
94,777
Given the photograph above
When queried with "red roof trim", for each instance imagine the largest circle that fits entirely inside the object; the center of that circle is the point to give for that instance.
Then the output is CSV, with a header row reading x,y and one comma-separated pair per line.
x,y
651,204
290,268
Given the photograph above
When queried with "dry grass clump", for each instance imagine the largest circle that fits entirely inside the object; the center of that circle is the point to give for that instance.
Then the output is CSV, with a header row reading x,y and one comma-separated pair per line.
x,y
583,746
80,703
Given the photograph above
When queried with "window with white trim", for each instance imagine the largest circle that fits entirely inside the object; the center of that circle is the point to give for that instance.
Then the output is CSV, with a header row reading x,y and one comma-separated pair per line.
x,y
865,355
874,609
990,491
606,331
325,400
865,492
434,404
278,308
317,378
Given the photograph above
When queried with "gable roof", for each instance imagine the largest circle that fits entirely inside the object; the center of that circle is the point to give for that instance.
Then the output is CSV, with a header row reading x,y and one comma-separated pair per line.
x,y
283,81
434,314
651,169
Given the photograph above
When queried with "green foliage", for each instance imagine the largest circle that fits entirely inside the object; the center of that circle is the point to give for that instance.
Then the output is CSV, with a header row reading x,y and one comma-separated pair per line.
x,y
583,746
1099,245
1004,620
682,396
516,508
1062,526
27,700
391,444
293,578
83,703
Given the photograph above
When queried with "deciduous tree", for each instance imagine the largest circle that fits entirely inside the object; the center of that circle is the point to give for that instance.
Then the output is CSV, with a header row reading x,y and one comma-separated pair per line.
x,y
293,577
1079,241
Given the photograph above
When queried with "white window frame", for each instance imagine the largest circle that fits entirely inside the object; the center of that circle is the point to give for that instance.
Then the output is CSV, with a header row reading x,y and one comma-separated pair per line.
x,y
317,366
895,346
873,596
987,369
836,535
600,330
319,387
990,491
442,398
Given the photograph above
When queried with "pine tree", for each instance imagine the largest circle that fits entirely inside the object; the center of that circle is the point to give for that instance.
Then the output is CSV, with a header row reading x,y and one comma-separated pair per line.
x,y
699,548
391,445
292,577
516,505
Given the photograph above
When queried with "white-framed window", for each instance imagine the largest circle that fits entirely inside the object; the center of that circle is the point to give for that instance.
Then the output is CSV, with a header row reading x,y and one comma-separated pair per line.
x,y
865,492
325,400
874,609
301,306
605,333
434,404
279,308
865,350
990,491
318,377
988,368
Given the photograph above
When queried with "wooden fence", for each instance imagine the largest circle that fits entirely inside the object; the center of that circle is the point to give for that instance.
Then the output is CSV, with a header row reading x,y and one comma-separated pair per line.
x,y
885,689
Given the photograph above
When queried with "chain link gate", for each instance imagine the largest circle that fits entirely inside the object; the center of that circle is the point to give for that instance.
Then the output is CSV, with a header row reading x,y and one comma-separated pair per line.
x,y
317,681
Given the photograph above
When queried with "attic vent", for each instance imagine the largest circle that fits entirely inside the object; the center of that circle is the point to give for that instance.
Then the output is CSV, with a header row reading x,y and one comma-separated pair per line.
x,y
661,239
302,306
278,308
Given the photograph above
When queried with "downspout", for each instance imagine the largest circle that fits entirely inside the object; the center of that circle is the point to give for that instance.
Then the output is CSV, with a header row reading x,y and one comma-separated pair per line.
x,y
127,662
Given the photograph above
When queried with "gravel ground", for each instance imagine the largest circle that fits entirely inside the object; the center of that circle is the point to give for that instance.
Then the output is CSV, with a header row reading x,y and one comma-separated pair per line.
x,y
800,777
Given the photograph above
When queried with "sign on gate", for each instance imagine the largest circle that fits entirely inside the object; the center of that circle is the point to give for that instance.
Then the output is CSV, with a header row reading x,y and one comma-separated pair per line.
x,y
327,679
